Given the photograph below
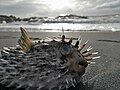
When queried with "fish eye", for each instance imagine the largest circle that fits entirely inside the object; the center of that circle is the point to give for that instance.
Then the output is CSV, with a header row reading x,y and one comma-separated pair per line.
x,y
65,49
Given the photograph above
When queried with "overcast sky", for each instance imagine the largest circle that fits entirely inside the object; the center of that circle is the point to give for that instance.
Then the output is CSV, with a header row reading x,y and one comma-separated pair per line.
x,y
28,8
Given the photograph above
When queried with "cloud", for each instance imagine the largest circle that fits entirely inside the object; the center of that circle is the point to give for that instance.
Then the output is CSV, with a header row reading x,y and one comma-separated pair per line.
x,y
99,7
8,2
109,5
24,8
28,8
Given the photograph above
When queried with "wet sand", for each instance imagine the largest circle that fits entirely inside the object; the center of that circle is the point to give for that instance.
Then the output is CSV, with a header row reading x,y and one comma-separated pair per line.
x,y
101,75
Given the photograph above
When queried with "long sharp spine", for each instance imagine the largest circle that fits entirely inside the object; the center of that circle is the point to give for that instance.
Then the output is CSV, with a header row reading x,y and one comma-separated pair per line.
x,y
94,53
96,57
74,81
67,81
86,42
77,43
73,85
90,48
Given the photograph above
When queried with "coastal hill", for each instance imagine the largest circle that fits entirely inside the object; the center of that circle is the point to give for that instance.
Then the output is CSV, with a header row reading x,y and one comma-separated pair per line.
x,y
11,18
69,18
7,19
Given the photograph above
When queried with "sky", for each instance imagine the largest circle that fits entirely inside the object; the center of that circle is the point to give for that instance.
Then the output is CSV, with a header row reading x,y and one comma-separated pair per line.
x,y
51,8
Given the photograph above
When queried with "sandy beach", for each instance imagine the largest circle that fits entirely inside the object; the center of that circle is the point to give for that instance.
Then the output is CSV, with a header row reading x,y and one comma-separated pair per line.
x,y
105,73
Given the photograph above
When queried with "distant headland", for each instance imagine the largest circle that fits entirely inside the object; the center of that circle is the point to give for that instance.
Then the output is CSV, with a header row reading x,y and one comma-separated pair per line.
x,y
11,18
68,18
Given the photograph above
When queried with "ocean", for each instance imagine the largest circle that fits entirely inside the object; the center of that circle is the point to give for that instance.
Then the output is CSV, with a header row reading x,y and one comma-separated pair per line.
x,y
57,27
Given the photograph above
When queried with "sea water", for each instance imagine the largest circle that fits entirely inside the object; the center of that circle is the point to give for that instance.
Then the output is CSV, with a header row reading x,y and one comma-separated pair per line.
x,y
57,27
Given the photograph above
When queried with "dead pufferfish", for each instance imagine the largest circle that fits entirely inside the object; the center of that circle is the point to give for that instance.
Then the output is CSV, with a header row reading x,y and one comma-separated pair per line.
x,y
45,65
